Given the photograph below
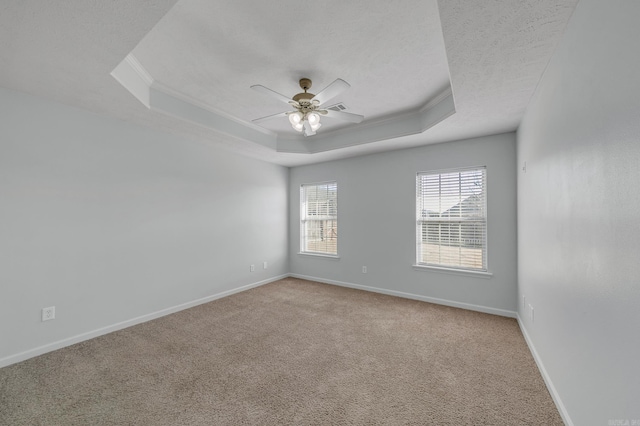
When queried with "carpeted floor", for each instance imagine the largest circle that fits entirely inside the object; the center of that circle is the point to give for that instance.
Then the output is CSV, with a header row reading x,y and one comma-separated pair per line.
x,y
290,352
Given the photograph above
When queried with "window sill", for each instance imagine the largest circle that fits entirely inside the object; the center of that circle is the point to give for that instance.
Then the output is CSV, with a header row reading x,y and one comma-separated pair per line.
x,y
479,274
327,256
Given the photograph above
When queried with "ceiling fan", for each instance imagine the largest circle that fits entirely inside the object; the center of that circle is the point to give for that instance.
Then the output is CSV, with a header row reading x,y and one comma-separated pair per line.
x,y
305,117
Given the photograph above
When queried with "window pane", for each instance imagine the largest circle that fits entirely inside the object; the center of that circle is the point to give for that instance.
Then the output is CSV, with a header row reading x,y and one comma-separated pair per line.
x,y
451,219
319,218
321,236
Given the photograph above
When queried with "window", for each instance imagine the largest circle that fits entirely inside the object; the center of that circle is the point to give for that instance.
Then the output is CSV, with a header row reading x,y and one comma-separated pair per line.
x,y
319,218
451,213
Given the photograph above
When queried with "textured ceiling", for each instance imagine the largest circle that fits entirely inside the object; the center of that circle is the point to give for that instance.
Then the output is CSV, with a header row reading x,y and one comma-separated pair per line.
x,y
396,54
391,52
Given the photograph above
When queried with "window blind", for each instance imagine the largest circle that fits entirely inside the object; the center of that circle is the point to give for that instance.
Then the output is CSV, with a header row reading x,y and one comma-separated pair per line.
x,y
451,219
319,218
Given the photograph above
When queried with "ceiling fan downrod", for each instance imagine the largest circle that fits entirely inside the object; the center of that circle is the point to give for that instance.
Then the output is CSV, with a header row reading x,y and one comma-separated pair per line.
x,y
305,84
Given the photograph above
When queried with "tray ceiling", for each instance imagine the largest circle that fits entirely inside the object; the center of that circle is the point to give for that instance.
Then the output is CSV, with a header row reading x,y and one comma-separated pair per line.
x,y
420,71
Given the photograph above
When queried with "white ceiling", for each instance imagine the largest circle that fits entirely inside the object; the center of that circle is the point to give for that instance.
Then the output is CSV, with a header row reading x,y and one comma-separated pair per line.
x,y
391,52
421,71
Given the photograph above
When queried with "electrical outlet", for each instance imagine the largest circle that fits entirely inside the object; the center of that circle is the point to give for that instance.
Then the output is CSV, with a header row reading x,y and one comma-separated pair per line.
x,y
531,312
252,268
48,313
264,265
364,269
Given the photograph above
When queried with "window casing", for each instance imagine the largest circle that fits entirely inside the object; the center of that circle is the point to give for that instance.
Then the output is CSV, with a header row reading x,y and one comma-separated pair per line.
x,y
451,219
319,218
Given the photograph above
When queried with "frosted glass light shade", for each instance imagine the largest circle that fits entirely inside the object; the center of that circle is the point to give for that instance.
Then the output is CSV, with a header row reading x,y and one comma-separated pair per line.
x,y
314,121
295,118
313,118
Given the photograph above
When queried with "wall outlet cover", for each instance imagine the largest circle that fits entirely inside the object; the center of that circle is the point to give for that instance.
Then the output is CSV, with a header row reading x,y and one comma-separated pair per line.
x,y
48,313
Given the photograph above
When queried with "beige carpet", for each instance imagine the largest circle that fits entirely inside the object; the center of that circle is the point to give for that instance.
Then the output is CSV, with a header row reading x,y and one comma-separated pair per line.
x,y
289,352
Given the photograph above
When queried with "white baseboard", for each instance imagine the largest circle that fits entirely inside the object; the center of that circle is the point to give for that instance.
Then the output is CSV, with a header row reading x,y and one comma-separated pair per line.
x,y
545,376
12,359
468,306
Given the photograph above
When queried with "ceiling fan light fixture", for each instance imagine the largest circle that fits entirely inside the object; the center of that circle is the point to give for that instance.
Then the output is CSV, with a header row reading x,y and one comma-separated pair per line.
x,y
314,121
313,118
295,118
308,107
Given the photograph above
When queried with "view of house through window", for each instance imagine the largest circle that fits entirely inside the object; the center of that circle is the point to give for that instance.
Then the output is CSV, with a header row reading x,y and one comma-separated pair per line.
x,y
319,218
451,225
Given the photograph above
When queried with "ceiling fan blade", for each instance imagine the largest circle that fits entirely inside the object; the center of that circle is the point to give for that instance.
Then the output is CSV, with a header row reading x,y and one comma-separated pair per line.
x,y
269,117
269,92
346,116
308,131
332,90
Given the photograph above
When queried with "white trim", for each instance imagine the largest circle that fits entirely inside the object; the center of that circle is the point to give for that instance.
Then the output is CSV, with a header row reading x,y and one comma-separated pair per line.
x,y
177,108
12,359
324,182
467,272
381,129
452,170
421,221
139,69
169,91
545,376
330,256
437,301
144,75
446,93
304,201
130,74
393,126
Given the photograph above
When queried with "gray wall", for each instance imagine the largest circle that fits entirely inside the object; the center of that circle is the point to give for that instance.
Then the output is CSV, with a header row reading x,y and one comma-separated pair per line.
x,y
111,222
578,216
376,223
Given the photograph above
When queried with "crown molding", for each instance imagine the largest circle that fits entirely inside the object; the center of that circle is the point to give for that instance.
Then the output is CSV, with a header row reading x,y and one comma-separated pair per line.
x,y
390,127
183,110
137,67
132,75
160,87
440,97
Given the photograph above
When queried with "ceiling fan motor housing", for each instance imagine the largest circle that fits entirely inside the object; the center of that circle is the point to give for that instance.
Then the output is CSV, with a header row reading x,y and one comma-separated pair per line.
x,y
305,84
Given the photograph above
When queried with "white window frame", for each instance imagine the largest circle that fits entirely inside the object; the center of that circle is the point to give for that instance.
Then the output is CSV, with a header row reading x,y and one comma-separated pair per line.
x,y
430,194
318,221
